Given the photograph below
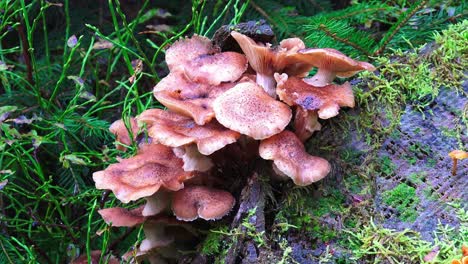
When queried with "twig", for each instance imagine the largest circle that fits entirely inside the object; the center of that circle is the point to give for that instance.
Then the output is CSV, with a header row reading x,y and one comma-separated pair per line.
x,y
343,40
27,59
388,38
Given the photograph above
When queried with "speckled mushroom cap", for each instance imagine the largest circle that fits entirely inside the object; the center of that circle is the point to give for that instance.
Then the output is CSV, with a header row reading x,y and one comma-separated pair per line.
x,y
326,100
290,157
217,68
193,202
153,167
121,132
330,63
202,62
118,216
175,130
249,110
180,95
187,49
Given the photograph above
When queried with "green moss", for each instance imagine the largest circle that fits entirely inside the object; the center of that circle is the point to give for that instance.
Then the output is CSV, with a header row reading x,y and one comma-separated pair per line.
x,y
410,77
214,241
387,167
403,198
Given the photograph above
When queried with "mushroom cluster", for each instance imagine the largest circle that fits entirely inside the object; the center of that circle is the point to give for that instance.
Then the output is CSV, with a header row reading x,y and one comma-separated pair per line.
x,y
215,100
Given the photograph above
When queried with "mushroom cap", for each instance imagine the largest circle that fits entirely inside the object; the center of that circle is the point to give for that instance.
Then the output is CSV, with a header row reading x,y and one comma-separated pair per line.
x,y
326,100
260,57
180,95
458,154
199,201
118,216
187,49
266,61
249,110
332,60
290,157
120,131
174,130
217,68
153,167
305,123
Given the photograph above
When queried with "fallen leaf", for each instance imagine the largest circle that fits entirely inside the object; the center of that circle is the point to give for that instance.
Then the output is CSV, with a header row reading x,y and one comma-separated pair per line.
x,y
102,44
72,41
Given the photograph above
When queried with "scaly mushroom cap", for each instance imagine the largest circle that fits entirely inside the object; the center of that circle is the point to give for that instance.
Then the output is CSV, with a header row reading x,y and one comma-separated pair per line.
x,y
330,63
118,216
199,201
327,100
217,68
187,49
153,167
305,123
290,157
120,131
175,130
188,98
249,110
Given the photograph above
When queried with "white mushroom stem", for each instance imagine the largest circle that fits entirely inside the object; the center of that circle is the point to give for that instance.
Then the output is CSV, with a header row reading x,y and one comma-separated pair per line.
x,y
268,83
322,78
156,203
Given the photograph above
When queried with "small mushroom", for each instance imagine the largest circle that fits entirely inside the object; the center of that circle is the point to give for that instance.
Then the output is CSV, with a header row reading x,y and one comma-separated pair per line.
x,y
193,202
118,216
330,63
122,134
174,130
457,155
266,61
326,100
290,157
153,167
305,123
249,110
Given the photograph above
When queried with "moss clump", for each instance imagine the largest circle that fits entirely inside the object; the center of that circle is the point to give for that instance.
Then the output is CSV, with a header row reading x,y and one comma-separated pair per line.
x,y
415,77
403,198
214,241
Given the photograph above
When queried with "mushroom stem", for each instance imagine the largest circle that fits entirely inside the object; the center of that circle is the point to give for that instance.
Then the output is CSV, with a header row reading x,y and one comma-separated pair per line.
x,y
322,78
454,167
156,203
268,83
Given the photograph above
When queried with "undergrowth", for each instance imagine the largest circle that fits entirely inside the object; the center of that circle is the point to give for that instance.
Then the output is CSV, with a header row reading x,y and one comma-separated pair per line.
x,y
67,69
